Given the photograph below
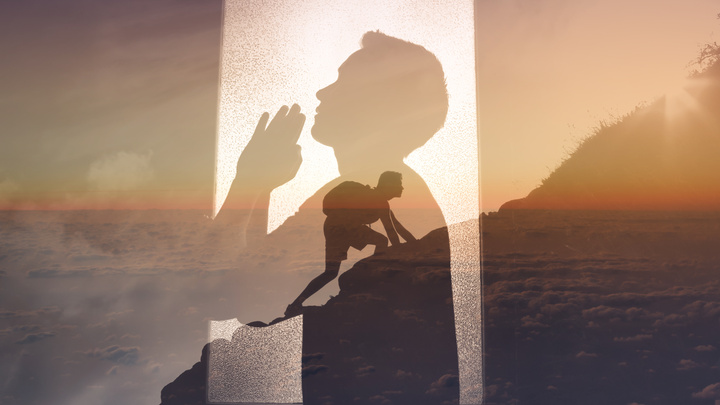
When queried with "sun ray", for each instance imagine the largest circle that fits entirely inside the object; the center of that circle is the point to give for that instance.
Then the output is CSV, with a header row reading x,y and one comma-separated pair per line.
x,y
680,99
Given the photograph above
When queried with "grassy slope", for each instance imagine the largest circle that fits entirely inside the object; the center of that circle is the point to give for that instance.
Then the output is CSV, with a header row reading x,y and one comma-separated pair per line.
x,y
649,159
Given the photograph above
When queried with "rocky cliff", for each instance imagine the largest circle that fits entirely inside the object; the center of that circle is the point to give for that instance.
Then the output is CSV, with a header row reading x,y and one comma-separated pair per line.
x,y
387,337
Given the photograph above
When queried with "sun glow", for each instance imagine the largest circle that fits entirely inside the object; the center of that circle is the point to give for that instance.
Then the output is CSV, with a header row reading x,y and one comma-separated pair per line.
x,y
679,99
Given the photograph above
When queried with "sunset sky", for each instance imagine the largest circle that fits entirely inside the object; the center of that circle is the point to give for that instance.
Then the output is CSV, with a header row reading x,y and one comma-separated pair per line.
x,y
550,71
114,104
108,104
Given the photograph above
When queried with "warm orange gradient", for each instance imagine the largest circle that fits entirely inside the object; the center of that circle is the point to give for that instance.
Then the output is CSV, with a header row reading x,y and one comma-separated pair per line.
x,y
550,72
108,105
39,199
155,195
660,157
135,79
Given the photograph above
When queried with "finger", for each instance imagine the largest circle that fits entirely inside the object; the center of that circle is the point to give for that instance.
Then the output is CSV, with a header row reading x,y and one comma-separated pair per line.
x,y
298,158
262,123
295,109
292,126
282,111
279,117
296,128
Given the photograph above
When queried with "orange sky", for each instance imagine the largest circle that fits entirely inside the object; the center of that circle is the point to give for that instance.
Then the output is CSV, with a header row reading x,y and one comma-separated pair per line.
x,y
129,99
550,71
108,104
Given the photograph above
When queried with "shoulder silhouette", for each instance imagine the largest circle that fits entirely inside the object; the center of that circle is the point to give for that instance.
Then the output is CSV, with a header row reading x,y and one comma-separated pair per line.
x,y
355,202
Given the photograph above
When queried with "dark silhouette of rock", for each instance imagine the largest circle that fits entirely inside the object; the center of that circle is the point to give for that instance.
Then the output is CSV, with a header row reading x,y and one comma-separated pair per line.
x,y
390,332
190,387
387,337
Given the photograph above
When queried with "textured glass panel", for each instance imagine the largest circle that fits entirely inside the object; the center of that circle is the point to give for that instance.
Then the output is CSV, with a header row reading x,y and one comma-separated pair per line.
x,y
255,364
274,54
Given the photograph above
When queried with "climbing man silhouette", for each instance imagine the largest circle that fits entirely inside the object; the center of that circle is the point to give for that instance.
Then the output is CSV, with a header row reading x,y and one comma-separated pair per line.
x,y
351,208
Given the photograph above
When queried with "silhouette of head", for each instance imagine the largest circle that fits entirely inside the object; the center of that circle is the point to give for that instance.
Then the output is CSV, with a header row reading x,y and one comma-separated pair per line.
x,y
389,98
390,185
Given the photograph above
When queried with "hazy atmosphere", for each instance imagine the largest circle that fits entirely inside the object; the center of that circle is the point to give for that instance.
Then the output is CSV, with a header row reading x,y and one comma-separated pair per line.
x,y
549,72
114,105
110,268
108,105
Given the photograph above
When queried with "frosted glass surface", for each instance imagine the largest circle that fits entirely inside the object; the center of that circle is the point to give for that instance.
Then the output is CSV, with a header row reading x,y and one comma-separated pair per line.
x,y
257,365
275,53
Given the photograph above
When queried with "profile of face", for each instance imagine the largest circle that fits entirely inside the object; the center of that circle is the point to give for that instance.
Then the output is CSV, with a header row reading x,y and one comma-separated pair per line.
x,y
396,189
354,106
389,99
390,185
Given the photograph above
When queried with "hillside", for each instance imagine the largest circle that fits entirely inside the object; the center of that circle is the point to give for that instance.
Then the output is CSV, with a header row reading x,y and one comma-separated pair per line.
x,y
387,337
662,156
